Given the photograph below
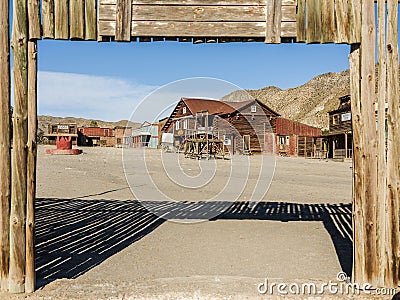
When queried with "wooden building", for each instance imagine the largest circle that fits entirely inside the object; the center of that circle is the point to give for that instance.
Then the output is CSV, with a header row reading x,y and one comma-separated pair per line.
x,y
61,129
297,139
147,135
245,127
339,139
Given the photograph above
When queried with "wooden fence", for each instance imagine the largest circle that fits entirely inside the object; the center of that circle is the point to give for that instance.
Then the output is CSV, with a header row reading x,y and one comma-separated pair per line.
x,y
376,169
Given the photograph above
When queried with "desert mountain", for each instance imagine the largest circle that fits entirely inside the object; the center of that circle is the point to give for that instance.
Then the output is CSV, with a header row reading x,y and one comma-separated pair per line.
x,y
308,103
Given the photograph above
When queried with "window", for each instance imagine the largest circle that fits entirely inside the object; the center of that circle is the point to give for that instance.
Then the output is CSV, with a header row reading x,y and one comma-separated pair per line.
x,y
253,108
336,119
177,125
185,124
227,140
184,110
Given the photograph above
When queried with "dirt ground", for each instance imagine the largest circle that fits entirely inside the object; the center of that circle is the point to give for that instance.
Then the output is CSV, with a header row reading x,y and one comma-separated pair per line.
x,y
94,241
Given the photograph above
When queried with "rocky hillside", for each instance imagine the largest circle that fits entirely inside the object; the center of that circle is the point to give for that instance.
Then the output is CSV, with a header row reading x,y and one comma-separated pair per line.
x,y
308,103
44,121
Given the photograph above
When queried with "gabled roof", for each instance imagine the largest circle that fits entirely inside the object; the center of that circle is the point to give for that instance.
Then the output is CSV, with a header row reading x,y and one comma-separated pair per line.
x,y
214,107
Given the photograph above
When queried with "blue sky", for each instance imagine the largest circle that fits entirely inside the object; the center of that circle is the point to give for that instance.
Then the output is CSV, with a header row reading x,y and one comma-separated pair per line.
x,y
108,80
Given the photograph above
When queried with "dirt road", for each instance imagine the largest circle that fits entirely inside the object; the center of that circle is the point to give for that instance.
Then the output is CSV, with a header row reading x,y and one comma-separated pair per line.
x,y
94,241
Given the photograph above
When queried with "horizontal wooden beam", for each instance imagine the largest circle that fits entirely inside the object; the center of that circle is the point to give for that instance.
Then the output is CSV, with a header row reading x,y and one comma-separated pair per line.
x,y
196,13
200,2
196,29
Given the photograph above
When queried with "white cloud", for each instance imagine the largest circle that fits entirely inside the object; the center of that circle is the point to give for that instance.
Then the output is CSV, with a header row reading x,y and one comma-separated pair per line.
x,y
88,96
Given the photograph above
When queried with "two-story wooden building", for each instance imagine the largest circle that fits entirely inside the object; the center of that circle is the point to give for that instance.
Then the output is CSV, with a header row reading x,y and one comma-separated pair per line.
x,y
340,136
241,125
244,127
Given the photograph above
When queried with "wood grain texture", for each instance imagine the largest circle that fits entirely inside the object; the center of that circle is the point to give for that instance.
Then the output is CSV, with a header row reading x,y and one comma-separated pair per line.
x,y
369,146
393,144
358,170
195,13
19,155
34,20
381,201
61,28
342,21
90,20
123,20
301,21
5,146
189,29
328,23
200,2
273,20
30,280
313,10
354,19
48,18
77,19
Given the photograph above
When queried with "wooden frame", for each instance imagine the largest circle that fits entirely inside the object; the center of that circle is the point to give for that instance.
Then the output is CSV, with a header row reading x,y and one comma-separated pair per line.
x,y
376,169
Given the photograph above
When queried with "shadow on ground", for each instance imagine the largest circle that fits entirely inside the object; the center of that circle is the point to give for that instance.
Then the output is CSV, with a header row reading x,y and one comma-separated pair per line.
x,y
73,236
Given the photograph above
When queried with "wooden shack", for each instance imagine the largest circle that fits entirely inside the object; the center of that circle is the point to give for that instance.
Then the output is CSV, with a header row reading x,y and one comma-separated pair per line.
x,y
297,139
339,139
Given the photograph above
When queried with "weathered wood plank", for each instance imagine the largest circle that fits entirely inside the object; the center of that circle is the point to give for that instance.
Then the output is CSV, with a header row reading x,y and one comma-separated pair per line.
x,y
313,10
123,20
289,13
381,201
273,20
30,280
328,24
48,18
90,20
188,29
342,21
34,20
393,144
354,19
19,155
200,2
196,13
358,170
61,19
369,140
288,29
77,19
5,146
301,21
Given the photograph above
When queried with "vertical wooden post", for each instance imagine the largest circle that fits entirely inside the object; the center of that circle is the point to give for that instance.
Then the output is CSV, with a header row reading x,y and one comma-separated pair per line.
x,y
369,150
393,144
19,155
358,178
345,145
5,147
30,281
381,202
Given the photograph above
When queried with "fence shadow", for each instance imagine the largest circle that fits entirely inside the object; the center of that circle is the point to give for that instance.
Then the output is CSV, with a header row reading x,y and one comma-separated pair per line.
x,y
73,236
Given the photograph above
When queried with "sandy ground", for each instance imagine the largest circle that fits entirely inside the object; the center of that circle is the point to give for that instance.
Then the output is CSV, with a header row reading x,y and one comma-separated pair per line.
x,y
94,241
